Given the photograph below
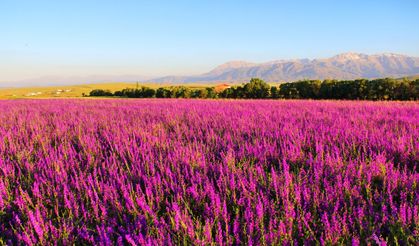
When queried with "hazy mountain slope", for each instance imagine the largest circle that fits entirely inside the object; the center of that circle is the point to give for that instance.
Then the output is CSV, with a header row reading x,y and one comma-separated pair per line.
x,y
342,66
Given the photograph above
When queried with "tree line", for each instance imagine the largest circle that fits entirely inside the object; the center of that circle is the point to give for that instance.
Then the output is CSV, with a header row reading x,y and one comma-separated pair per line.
x,y
360,89
162,92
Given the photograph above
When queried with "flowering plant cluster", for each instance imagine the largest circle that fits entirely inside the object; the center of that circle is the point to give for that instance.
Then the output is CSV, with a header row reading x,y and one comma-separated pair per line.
x,y
146,172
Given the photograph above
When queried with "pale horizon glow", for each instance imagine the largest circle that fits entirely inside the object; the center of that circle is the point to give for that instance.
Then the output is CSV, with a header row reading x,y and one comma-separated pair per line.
x,y
44,41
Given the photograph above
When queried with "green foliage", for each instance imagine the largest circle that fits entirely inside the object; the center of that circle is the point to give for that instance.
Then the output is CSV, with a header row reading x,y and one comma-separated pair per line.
x,y
180,92
274,92
141,92
208,92
100,93
163,93
211,93
166,92
361,89
256,88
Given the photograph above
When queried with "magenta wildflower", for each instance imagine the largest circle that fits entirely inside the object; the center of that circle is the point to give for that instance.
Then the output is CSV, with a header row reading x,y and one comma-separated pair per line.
x,y
169,172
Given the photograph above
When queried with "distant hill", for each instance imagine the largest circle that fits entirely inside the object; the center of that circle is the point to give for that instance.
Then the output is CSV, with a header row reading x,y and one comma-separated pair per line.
x,y
342,66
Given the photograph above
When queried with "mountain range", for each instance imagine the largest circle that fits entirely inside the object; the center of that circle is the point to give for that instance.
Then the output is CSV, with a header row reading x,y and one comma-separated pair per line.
x,y
343,66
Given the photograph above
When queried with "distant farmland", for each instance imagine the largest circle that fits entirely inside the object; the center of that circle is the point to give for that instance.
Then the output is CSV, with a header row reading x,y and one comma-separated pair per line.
x,y
169,171
70,91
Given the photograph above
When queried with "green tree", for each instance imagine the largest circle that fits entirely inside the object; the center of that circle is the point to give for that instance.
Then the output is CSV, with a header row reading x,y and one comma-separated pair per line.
x,y
211,93
100,93
163,93
256,88
274,92
199,93
289,91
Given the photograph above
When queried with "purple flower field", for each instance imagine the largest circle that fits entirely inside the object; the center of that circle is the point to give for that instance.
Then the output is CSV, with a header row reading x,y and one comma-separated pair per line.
x,y
147,172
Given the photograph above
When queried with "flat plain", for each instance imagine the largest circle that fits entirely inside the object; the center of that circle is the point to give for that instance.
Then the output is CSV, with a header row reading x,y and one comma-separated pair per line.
x,y
75,91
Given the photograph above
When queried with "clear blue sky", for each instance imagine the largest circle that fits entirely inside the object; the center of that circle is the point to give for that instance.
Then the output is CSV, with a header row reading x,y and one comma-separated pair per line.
x,y
100,37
